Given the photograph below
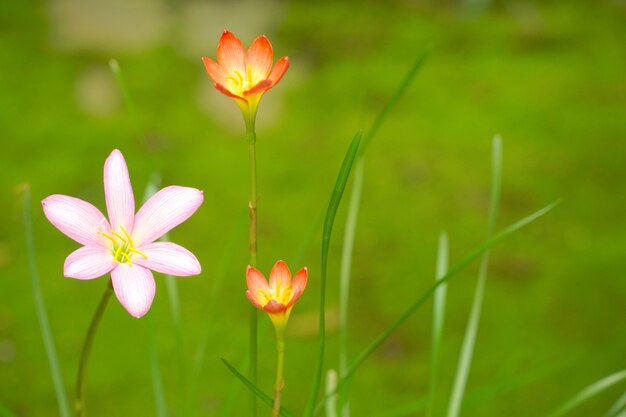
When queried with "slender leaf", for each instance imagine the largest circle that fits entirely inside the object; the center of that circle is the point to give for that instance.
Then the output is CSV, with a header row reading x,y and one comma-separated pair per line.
x,y
260,394
157,380
589,392
333,205
331,397
619,406
471,331
454,270
439,312
42,316
121,84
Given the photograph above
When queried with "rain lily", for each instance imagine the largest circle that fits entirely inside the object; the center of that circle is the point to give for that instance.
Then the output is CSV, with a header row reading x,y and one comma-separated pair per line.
x,y
245,75
278,297
125,244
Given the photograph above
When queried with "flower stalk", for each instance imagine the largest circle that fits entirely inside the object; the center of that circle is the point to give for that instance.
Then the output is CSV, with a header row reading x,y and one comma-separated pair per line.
x,y
252,208
79,403
280,371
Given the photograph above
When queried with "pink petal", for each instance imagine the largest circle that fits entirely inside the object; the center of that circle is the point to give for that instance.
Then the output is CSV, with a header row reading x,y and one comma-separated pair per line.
x,y
134,287
280,273
254,298
274,307
300,279
221,88
279,70
215,71
89,262
168,258
163,211
255,280
231,54
259,59
118,192
76,218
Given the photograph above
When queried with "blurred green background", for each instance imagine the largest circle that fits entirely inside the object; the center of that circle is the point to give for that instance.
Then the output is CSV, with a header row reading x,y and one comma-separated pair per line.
x,y
550,77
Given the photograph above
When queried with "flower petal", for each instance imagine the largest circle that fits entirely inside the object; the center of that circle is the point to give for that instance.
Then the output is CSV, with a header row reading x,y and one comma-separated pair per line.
x,y
254,298
255,280
231,54
88,262
279,70
298,285
280,274
259,88
76,218
259,59
222,89
274,307
134,287
163,211
168,258
215,71
118,192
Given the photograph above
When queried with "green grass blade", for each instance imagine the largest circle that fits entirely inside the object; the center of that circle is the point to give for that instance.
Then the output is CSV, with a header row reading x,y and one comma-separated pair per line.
x,y
5,412
619,406
42,316
454,270
471,331
121,84
439,312
408,79
344,277
589,392
333,205
260,394
331,397
155,370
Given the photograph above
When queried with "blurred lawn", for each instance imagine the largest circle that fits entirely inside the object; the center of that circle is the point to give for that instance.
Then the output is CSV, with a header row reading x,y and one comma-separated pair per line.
x,y
549,76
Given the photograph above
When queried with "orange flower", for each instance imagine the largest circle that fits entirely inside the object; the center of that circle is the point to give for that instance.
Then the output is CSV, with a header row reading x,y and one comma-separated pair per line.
x,y
242,75
278,297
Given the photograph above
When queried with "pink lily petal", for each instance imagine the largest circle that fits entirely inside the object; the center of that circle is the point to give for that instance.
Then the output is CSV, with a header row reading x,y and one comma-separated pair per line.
x,y
118,192
298,285
134,287
168,258
230,53
280,273
261,87
279,70
88,262
76,218
227,92
260,58
254,298
215,71
274,307
255,280
163,211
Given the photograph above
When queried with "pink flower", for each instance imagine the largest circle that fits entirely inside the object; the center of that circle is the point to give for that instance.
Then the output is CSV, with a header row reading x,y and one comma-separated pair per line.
x,y
245,75
126,246
278,297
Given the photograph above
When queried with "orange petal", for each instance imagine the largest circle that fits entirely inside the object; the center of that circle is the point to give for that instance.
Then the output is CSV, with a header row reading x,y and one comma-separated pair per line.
x,y
259,59
298,285
254,299
273,307
255,280
279,70
230,54
227,92
280,273
259,88
215,71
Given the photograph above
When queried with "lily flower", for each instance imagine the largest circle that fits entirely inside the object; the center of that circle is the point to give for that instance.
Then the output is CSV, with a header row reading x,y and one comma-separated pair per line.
x,y
125,244
245,75
278,297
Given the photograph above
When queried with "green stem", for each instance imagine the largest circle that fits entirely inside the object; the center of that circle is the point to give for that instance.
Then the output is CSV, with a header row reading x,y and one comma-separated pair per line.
x,y
79,404
280,372
252,207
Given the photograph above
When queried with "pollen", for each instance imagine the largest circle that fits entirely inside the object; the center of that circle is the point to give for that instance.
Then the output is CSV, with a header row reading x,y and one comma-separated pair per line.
x,y
123,247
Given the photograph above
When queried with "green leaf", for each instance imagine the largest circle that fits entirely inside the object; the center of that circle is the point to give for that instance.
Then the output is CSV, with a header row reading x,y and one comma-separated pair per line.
x,y
333,205
262,396
44,324
589,392
471,331
454,270
155,371
439,313
618,407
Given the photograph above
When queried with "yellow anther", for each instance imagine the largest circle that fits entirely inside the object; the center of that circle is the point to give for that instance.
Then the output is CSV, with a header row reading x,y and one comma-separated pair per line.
x,y
117,252
117,235
238,74
131,249
125,255
130,240
108,237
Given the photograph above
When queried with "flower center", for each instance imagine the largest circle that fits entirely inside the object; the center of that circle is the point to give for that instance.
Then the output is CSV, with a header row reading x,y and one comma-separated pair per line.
x,y
240,83
280,294
123,246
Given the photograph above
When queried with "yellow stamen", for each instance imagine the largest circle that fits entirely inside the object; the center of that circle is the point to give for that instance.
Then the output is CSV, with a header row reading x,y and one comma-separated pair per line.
x,y
118,236
130,240
131,249
125,255
117,252
108,237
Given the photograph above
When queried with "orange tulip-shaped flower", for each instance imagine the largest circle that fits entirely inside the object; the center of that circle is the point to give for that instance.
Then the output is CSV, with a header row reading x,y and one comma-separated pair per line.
x,y
278,297
245,75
